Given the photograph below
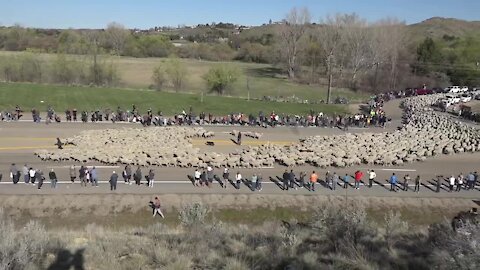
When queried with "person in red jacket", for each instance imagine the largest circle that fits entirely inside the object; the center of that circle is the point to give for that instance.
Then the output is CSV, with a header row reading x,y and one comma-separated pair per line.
x,y
358,178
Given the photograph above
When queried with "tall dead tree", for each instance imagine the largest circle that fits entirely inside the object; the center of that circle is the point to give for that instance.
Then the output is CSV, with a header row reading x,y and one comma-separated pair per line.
x,y
330,36
291,31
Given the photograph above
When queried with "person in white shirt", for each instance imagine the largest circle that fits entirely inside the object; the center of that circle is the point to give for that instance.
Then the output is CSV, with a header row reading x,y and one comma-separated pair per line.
x,y
197,176
31,172
238,178
371,177
452,183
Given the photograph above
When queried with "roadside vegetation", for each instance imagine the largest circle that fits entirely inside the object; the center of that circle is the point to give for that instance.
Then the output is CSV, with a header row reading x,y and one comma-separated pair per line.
x,y
334,236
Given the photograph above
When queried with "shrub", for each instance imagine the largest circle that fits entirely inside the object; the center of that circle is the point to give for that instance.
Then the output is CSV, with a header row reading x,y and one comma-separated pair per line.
x,y
193,214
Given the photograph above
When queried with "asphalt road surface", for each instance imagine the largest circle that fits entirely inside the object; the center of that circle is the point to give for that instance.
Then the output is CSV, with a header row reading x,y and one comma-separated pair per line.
x,y
19,140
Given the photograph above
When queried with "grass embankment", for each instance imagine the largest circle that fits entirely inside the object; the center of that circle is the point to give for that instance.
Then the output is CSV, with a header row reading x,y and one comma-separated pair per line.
x,y
256,80
61,98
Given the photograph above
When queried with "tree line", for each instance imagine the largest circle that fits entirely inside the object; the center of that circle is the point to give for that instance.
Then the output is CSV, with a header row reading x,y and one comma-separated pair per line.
x,y
343,50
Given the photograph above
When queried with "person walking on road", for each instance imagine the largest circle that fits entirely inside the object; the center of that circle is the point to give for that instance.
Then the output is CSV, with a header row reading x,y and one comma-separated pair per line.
x,y
239,138
82,176
313,180
371,178
53,178
439,183
157,208
285,177
452,180
406,180
14,173
418,181
113,181
358,179
393,182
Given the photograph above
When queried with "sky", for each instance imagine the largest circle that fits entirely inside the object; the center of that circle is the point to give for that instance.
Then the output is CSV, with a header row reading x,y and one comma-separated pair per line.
x,y
144,14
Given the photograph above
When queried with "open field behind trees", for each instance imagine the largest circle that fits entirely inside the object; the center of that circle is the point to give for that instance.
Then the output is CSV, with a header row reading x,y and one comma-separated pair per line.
x,y
61,98
254,80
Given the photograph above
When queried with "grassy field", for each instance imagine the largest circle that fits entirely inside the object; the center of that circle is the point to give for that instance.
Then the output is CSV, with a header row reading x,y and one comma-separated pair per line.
x,y
263,79
61,98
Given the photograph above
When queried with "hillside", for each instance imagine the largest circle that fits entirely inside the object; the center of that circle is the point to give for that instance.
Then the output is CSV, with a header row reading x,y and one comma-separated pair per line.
x,y
439,27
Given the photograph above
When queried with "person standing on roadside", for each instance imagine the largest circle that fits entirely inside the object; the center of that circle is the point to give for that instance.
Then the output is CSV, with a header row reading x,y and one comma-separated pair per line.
x,y
31,173
470,179
393,182
406,180
151,178
371,178
53,178
113,181
335,179
346,181
451,182
238,179
128,170
81,176
73,173
313,180
291,179
137,176
358,179
418,181
459,182
26,176
226,175
13,173
285,177
258,185
40,178
94,176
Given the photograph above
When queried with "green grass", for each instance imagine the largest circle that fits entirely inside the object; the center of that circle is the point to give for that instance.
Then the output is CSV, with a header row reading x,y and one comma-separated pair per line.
x,y
263,79
29,96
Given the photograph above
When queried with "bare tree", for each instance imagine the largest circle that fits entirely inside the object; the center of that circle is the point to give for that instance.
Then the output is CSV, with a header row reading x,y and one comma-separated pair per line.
x,y
356,40
117,36
291,31
330,37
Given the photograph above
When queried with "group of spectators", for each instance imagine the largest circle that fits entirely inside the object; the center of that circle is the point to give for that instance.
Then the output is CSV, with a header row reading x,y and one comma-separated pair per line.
x,y
289,180
373,116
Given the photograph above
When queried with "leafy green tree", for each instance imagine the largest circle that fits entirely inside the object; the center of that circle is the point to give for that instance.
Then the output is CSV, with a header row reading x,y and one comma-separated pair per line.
x,y
428,54
220,78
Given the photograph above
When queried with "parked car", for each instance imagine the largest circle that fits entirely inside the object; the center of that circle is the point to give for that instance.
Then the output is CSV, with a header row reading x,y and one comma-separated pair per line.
x,y
453,99
465,98
477,97
464,89
437,90
452,89
421,91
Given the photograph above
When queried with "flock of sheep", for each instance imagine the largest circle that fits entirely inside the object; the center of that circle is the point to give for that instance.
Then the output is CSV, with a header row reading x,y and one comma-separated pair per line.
x,y
425,133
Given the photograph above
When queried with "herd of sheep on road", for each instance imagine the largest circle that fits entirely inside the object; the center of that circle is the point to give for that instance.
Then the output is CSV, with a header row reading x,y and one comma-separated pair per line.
x,y
425,133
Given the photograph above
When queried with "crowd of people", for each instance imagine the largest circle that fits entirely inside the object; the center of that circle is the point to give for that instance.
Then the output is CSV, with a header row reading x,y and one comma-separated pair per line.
x,y
374,115
289,180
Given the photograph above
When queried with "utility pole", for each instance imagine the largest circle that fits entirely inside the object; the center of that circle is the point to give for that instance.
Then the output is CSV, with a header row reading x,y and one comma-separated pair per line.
x,y
329,91
376,76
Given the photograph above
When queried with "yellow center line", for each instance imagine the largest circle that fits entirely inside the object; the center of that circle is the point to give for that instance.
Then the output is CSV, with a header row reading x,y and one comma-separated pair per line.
x,y
27,147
